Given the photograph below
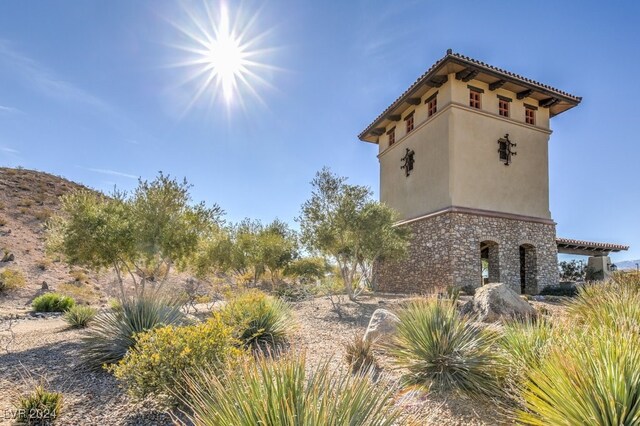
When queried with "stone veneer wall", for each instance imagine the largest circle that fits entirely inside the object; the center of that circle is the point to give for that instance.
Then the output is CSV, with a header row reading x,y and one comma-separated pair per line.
x,y
445,250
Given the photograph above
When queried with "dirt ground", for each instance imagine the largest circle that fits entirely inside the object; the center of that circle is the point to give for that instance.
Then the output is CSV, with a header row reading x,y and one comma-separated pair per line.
x,y
45,349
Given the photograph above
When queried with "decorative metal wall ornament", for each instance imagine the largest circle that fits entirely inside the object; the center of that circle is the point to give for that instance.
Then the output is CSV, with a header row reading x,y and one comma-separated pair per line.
x,y
407,161
504,149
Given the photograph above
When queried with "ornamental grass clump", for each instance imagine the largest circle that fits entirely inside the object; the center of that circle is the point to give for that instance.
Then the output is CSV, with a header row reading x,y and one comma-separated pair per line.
x,y
611,304
162,357
282,391
40,407
441,350
526,343
112,333
593,378
79,316
359,355
52,302
262,322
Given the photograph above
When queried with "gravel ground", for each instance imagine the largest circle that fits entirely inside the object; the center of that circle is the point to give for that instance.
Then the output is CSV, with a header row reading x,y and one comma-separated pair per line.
x,y
45,349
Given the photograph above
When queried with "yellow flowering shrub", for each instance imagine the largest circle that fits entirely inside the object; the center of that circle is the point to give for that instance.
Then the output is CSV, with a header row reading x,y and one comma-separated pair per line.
x,y
161,357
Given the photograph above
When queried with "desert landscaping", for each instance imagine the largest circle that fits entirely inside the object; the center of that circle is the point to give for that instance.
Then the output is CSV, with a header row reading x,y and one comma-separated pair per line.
x,y
112,354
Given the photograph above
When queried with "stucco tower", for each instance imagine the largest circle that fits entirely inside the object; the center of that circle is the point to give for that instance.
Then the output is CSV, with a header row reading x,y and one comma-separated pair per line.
x,y
464,160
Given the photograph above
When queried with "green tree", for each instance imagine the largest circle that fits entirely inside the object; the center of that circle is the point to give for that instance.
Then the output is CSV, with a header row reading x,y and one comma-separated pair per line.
x,y
277,247
142,235
343,222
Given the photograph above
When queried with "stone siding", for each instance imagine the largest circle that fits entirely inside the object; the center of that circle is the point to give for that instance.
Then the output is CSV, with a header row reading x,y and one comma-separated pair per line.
x,y
445,251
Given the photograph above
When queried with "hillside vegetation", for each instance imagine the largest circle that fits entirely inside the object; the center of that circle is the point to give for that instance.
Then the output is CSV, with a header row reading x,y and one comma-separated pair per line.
x,y
28,198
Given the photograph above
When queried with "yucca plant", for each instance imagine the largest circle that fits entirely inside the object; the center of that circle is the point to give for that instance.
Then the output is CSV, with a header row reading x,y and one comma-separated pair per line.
x,y
262,321
283,392
612,304
359,355
40,407
441,350
79,316
526,342
112,333
591,379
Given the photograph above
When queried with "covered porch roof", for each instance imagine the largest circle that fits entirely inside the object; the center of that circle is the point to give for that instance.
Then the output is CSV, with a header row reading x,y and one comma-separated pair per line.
x,y
587,248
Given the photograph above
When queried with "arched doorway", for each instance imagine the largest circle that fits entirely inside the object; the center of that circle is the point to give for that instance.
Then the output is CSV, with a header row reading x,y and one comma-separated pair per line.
x,y
528,269
490,261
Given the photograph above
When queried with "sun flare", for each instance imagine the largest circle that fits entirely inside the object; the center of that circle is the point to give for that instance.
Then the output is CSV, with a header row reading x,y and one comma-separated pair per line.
x,y
222,55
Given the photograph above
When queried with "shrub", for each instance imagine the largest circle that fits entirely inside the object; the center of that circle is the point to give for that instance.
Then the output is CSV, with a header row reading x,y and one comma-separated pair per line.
x,y
281,391
260,320
560,290
79,316
163,356
612,304
526,343
40,407
593,379
113,332
359,355
52,302
11,279
441,350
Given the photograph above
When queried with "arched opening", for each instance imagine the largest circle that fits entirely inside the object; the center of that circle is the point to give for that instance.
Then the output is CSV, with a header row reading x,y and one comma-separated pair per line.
x,y
490,261
528,269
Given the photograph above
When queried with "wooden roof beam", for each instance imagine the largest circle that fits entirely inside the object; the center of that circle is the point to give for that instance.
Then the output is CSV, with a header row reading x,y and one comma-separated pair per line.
x,y
549,102
394,117
413,101
467,74
497,84
524,94
378,131
437,81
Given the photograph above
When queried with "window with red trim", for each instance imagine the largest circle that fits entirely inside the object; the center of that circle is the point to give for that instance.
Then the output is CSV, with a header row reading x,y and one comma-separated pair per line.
x,y
432,106
530,115
409,123
392,136
474,99
503,107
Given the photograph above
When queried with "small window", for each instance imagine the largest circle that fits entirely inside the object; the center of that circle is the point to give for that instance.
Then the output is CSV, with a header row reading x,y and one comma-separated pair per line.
x,y
503,107
530,115
432,106
409,122
392,136
474,98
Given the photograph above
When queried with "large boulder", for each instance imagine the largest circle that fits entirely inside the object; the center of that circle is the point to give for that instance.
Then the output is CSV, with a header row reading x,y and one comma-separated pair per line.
x,y
382,323
494,301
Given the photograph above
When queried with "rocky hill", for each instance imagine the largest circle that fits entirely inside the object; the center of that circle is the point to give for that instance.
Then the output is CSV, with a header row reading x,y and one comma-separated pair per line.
x,y
27,199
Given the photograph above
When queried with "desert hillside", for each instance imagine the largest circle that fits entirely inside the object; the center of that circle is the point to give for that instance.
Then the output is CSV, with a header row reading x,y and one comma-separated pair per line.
x,y
27,199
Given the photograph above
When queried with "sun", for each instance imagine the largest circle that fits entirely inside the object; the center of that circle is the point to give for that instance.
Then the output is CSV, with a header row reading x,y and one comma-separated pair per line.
x,y
222,58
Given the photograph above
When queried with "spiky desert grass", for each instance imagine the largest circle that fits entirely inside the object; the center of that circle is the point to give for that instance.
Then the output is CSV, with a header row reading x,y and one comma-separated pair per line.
x,y
526,342
39,407
262,321
593,378
441,350
359,355
79,316
282,391
112,333
612,304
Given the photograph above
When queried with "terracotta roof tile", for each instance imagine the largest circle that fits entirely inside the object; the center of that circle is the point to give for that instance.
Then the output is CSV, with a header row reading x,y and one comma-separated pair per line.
x,y
456,56
591,244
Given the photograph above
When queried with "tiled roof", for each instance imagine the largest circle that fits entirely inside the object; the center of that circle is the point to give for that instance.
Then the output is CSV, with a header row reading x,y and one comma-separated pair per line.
x,y
590,244
456,57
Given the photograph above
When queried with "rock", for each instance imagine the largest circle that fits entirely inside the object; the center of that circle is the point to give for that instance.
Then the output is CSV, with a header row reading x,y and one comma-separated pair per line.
x,y
45,286
382,323
8,257
494,301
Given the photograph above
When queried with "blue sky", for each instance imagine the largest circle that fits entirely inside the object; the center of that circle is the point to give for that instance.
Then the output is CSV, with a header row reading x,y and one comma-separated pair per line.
x,y
90,91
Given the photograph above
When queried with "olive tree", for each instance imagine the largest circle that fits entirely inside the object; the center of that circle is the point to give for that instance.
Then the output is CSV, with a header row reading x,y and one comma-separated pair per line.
x,y
343,222
142,235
